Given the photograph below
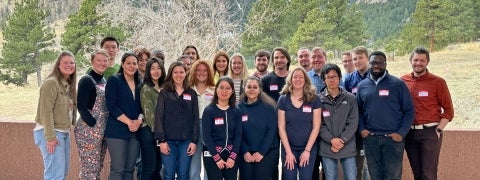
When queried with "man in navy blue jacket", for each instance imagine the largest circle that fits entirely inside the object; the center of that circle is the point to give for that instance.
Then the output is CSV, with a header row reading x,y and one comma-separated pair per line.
x,y
385,115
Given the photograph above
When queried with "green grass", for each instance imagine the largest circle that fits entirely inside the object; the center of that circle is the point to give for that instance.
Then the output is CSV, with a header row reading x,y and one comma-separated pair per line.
x,y
459,65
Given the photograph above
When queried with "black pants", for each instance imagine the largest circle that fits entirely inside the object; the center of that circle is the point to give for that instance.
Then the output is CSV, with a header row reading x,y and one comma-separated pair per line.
x,y
214,173
259,170
423,149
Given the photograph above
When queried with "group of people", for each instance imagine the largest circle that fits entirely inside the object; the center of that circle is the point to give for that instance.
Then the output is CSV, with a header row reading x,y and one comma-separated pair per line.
x,y
216,113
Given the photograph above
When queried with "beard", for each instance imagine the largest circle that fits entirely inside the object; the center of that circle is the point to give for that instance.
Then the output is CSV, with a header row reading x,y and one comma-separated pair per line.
x,y
261,68
377,74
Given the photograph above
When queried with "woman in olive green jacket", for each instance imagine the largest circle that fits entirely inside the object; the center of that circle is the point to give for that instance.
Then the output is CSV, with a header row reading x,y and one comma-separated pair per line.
x,y
55,114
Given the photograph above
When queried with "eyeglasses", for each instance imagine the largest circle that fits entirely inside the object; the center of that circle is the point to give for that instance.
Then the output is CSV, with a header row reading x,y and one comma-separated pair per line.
x,y
377,63
227,89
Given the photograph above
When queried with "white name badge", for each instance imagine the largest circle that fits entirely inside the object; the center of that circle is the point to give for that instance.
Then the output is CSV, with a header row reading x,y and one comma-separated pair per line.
x,y
187,97
383,92
218,121
307,109
423,93
273,87
354,90
208,97
326,113
245,118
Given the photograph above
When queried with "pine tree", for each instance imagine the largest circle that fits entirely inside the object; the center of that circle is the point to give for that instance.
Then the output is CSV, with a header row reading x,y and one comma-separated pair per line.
x,y
85,29
27,43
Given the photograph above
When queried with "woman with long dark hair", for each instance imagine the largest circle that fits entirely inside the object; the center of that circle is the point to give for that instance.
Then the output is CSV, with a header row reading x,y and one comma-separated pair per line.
x,y
153,80
222,132
122,95
177,123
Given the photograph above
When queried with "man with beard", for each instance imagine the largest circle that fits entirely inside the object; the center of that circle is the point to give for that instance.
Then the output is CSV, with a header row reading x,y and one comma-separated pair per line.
x,y
385,115
319,57
303,58
433,111
262,58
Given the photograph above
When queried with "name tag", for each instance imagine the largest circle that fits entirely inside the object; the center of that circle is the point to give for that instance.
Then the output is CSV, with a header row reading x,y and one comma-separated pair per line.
x,y
273,87
326,113
423,93
354,90
208,97
383,92
187,97
307,109
245,118
219,121
101,86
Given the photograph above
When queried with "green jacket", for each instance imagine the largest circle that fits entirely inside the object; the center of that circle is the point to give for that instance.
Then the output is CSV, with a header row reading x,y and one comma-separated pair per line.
x,y
53,107
148,100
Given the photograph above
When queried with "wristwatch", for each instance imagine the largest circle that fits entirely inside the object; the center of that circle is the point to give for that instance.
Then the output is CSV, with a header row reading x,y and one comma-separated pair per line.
x,y
438,130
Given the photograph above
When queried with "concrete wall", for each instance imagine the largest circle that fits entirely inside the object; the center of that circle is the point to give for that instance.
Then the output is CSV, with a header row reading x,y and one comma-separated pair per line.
x,y
21,159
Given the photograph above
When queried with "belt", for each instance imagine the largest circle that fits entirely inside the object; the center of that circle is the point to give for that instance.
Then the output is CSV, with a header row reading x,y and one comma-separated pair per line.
x,y
378,134
422,126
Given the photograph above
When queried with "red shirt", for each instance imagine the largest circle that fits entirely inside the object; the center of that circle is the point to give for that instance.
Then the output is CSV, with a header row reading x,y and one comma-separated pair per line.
x,y
430,96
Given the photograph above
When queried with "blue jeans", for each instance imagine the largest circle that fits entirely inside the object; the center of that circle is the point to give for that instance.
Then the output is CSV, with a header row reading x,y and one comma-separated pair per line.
x,y
57,164
177,161
196,164
304,173
330,167
384,157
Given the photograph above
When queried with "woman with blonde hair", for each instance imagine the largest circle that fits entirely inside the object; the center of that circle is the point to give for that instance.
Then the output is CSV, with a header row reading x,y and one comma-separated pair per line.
x,y
238,72
56,113
299,118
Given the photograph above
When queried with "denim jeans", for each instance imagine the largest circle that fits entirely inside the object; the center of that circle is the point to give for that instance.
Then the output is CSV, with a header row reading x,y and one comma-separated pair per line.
x,y
150,153
384,157
57,164
330,167
123,155
304,173
177,162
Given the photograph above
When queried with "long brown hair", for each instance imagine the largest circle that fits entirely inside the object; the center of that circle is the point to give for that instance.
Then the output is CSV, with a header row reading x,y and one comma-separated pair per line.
x,y
263,97
308,90
71,80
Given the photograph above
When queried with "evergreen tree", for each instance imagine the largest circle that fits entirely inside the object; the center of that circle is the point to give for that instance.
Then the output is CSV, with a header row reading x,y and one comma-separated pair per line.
x,y
85,29
27,43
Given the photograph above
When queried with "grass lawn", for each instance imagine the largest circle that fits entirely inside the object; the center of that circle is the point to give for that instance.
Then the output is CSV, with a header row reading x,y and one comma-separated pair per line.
x,y
459,65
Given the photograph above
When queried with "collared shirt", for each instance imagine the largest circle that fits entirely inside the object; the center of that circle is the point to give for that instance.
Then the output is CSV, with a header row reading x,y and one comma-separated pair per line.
x,y
431,98
317,82
351,81
204,99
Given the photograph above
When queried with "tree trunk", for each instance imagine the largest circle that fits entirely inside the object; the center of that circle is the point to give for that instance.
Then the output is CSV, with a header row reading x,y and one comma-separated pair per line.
x,y
38,70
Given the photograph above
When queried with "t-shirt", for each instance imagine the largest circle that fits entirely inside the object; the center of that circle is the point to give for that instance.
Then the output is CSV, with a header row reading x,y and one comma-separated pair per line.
x,y
273,84
298,121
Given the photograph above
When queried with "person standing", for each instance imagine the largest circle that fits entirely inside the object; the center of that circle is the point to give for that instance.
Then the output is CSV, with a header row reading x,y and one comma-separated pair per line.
x,y
347,63
222,132
122,95
273,82
191,51
299,118
220,65
303,58
93,112
111,45
143,55
433,111
177,122
259,143
56,113
201,80
150,153
340,122
385,115
262,59
238,72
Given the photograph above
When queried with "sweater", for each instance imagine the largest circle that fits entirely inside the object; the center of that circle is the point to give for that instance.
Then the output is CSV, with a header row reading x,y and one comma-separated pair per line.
x,y
385,107
339,120
260,127
87,93
222,130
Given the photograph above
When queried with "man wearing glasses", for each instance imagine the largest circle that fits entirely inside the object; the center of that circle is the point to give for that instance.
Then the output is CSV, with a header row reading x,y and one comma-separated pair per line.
x,y
385,115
